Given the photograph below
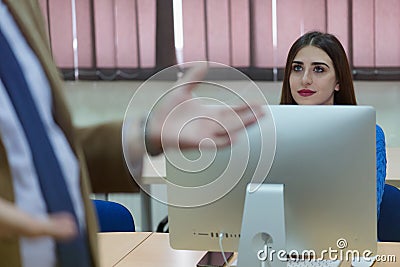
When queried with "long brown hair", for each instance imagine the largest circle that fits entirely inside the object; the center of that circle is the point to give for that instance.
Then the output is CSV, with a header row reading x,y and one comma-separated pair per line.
x,y
332,46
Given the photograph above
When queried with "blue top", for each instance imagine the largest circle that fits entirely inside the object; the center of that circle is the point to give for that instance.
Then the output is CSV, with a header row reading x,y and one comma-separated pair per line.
x,y
380,165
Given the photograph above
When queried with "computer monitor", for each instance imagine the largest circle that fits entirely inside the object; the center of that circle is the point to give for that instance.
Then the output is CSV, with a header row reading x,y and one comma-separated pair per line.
x,y
325,158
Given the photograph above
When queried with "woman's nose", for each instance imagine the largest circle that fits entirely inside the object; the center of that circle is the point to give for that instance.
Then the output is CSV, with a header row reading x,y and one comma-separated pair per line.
x,y
307,79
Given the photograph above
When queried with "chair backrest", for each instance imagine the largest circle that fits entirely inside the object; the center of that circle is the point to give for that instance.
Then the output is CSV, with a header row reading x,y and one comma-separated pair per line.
x,y
113,217
389,218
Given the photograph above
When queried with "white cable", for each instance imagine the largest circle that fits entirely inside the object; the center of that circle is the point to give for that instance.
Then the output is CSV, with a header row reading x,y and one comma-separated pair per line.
x,y
221,236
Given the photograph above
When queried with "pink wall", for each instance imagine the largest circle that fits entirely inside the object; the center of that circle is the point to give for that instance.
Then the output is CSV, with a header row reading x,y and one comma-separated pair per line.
x,y
116,32
221,30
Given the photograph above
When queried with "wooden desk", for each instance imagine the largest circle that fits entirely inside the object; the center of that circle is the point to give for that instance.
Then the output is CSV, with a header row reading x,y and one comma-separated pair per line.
x,y
384,249
115,246
387,248
153,250
156,251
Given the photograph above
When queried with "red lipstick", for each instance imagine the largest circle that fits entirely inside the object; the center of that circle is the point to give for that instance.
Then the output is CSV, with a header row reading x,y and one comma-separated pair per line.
x,y
306,92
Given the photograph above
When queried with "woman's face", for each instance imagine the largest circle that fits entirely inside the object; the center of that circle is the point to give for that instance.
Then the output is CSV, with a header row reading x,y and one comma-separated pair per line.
x,y
312,78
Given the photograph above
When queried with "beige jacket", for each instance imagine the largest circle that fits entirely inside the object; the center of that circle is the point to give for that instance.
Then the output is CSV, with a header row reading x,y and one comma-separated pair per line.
x,y
108,170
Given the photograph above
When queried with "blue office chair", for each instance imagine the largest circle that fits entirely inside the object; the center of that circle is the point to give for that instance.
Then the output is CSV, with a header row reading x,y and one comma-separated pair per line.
x,y
113,217
389,218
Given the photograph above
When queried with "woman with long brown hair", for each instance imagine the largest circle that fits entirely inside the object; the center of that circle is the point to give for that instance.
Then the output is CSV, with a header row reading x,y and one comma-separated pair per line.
x,y
317,72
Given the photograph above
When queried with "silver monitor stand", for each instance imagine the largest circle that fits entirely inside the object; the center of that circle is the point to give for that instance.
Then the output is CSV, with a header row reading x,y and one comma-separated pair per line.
x,y
263,235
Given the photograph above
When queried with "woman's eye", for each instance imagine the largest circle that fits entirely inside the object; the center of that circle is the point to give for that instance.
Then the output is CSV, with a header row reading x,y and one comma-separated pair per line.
x,y
297,68
319,69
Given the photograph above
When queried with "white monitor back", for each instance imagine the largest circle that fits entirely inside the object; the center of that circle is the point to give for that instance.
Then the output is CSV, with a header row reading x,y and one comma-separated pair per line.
x,y
325,157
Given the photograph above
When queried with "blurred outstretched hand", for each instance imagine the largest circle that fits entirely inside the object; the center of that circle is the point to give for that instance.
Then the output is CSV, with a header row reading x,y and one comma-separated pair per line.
x,y
181,121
